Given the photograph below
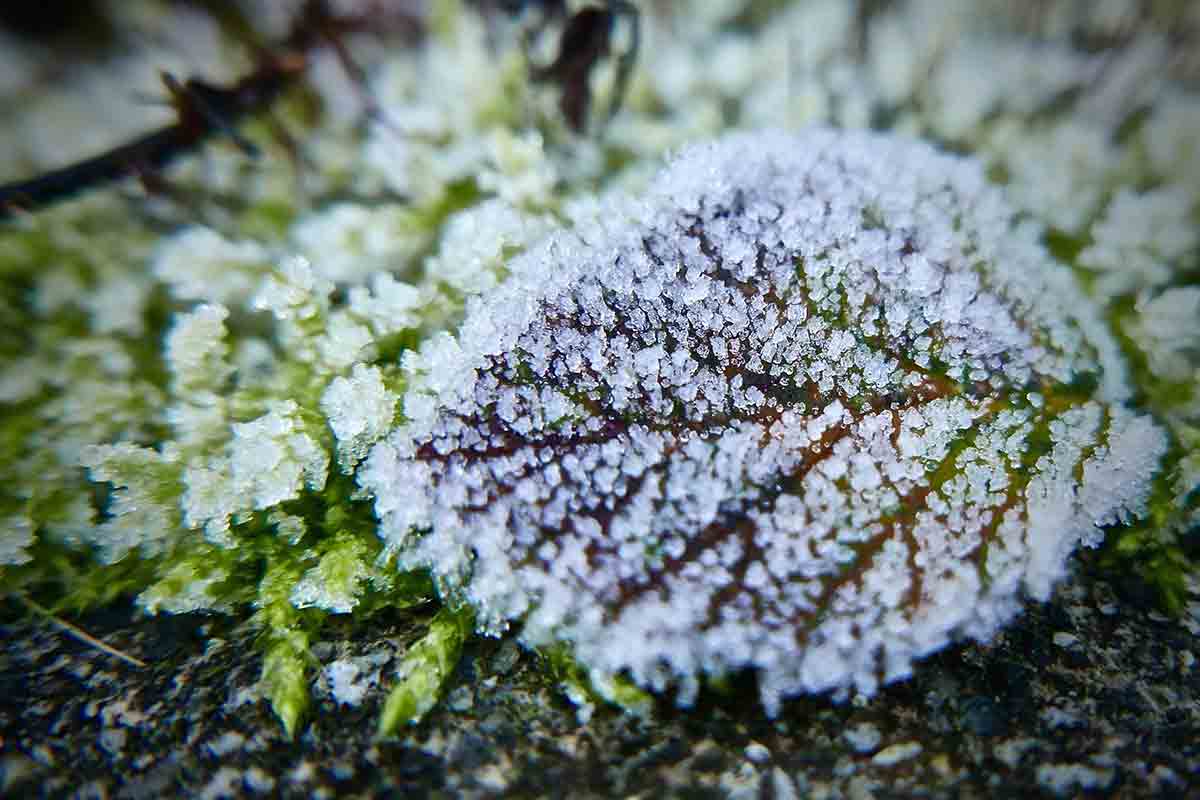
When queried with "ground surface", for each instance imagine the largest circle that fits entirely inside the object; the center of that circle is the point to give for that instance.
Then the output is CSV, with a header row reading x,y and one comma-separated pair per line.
x,y
1093,694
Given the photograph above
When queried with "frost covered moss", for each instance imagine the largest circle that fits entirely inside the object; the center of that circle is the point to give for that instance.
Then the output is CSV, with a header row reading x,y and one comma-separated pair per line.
x,y
189,388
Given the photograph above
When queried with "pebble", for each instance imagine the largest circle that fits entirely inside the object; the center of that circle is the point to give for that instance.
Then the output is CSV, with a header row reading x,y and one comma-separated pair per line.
x,y
758,753
1067,640
864,737
782,786
983,717
1068,779
894,754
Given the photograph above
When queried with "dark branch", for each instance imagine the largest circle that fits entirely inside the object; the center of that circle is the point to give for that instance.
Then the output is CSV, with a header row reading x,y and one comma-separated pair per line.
x,y
585,41
202,109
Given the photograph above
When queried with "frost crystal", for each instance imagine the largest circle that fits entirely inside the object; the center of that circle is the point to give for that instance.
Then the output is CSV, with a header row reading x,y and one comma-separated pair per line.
x,y
199,264
1139,239
360,410
815,405
1168,332
268,460
16,534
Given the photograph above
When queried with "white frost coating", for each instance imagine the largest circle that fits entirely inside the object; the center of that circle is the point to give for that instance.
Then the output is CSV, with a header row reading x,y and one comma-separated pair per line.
x,y
815,405
1168,330
1140,240
360,411
347,241
474,242
268,460
200,264
1059,173
139,517
197,351
388,306
16,534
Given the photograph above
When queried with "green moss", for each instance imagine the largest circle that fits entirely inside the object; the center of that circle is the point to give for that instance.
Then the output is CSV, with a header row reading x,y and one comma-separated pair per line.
x,y
567,676
1148,547
285,638
284,681
424,669
70,581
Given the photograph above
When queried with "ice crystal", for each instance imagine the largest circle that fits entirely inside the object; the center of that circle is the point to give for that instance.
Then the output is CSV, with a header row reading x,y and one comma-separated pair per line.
x,y
1169,332
360,410
199,264
814,404
1140,240
268,460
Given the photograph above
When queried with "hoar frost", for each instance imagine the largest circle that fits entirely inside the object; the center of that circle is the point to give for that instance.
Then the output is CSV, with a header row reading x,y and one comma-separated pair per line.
x,y
814,405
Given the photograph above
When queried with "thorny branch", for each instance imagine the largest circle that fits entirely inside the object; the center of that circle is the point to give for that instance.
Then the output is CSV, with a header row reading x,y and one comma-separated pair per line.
x,y
204,110
586,41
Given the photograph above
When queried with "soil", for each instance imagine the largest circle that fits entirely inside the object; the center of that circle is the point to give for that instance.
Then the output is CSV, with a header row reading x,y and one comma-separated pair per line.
x,y
1094,694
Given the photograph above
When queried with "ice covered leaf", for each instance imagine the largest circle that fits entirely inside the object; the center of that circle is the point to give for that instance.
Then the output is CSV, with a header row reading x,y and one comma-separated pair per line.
x,y
347,242
1140,240
814,405
1167,330
286,659
197,352
475,242
191,583
198,359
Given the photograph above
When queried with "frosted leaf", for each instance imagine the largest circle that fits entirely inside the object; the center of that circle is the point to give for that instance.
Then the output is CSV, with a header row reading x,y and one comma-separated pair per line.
x,y
295,292
209,500
288,526
1114,474
22,379
198,359
117,304
197,352
389,306
272,457
343,342
1172,140
475,243
978,79
517,170
1059,174
193,584
268,460
1133,78
334,583
791,417
299,299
